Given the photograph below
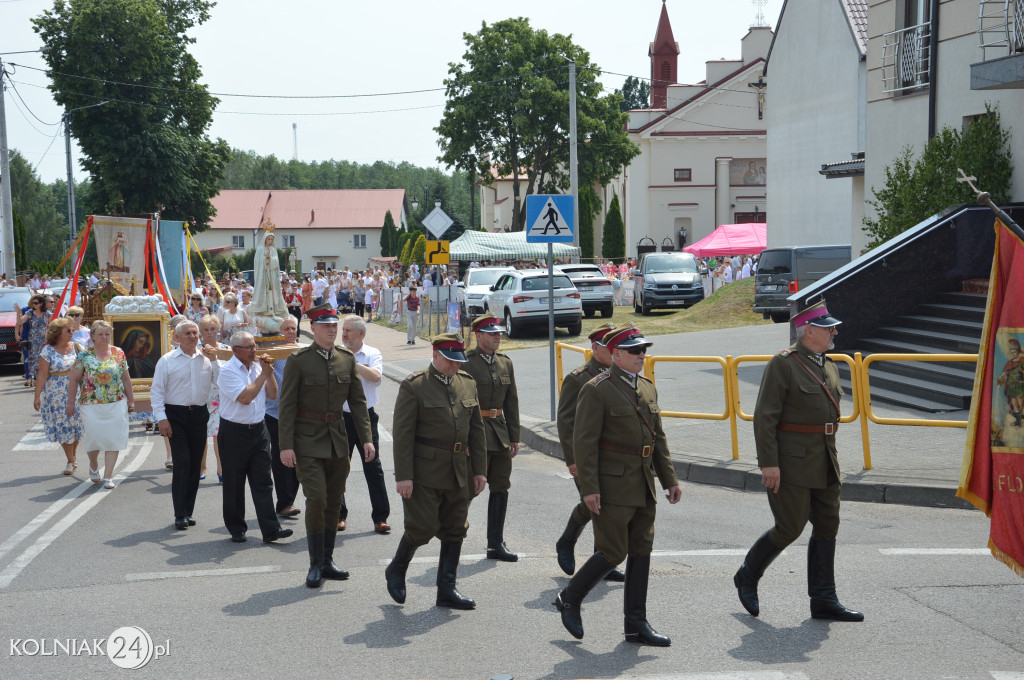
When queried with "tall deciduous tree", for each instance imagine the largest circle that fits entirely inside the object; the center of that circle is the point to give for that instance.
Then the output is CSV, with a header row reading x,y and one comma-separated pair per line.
x,y
508,111
37,207
613,241
147,145
636,94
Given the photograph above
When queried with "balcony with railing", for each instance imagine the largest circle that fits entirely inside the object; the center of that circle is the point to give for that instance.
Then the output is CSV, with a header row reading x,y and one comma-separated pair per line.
x,y
906,59
1001,40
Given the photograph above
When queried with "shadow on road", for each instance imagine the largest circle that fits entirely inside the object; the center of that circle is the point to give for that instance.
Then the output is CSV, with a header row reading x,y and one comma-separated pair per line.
x,y
395,629
585,664
767,644
259,604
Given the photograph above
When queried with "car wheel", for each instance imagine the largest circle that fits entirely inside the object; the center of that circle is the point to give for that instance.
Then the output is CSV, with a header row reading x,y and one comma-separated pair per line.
x,y
644,309
576,328
588,313
463,316
513,330
607,312
780,317
636,305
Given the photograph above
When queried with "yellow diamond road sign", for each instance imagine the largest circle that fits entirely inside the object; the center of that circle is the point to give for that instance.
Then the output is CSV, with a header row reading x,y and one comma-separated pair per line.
x,y
437,252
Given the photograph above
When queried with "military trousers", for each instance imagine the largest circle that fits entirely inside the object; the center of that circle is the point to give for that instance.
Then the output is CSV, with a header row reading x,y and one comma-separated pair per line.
x,y
499,470
581,513
436,512
621,530
793,506
323,484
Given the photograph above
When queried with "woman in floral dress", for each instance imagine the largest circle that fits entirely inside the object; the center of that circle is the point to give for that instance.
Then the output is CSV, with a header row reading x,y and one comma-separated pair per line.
x,y
55,364
37,319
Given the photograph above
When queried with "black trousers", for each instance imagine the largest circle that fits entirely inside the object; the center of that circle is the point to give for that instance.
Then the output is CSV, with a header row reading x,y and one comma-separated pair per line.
x,y
372,471
296,312
188,440
245,455
286,482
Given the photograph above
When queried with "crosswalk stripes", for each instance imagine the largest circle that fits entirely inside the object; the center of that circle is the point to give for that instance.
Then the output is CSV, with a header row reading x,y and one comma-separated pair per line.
x,y
35,440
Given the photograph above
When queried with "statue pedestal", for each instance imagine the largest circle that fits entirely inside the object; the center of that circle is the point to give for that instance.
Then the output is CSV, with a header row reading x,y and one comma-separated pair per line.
x,y
270,325
274,347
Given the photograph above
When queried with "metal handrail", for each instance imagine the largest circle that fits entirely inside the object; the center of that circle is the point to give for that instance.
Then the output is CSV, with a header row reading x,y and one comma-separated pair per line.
x,y
559,346
906,58
1000,27
724,363
909,357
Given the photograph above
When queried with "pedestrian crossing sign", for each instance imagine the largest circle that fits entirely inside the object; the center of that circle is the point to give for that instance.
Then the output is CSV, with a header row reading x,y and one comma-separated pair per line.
x,y
549,219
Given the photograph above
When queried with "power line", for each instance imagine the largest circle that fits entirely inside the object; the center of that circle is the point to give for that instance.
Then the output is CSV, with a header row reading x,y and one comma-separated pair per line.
x,y
15,89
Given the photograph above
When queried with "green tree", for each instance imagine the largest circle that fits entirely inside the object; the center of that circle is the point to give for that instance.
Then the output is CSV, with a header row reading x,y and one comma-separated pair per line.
x,y
145,148
37,207
418,253
20,250
508,111
403,256
589,206
388,236
636,94
917,188
613,242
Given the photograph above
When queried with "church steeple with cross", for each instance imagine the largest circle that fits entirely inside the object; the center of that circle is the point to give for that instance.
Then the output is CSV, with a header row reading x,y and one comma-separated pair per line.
x,y
664,54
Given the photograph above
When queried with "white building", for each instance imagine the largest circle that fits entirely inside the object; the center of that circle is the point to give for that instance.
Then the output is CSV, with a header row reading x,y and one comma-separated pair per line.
x,y
327,228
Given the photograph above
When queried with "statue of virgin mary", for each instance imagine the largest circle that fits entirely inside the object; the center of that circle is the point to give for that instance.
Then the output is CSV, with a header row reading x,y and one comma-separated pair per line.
x,y
268,308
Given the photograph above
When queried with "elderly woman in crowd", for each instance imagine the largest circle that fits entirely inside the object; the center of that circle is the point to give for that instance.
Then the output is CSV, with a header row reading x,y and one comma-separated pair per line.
x,y
195,310
103,389
231,317
55,364
209,326
36,321
79,334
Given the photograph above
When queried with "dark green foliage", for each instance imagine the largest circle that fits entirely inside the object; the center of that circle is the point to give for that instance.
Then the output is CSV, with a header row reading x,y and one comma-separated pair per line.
x,y
508,113
916,189
613,242
636,94
403,255
20,250
38,208
146,149
590,205
418,254
388,236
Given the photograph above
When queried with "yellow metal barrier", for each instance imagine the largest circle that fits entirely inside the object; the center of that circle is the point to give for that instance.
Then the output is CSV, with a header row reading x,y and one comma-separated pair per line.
x,y
910,357
559,346
724,363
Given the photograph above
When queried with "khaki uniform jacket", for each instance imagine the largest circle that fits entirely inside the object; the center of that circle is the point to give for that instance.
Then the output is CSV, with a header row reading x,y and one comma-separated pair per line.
x,y
428,408
789,394
496,388
607,412
316,385
571,386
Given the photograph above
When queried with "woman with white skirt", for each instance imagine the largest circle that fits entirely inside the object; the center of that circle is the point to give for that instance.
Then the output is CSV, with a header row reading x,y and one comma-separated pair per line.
x,y
104,401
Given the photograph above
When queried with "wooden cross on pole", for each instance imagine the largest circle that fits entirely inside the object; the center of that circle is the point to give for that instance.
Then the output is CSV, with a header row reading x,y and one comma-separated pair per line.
x,y
131,281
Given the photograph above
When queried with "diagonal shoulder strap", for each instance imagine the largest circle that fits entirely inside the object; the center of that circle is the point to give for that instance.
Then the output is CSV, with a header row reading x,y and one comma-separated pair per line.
x,y
639,411
828,392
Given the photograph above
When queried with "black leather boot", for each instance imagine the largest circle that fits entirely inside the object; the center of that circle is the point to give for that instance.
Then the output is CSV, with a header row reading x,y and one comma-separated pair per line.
x,y
615,576
497,506
746,579
569,600
821,583
448,565
331,570
634,604
315,577
395,572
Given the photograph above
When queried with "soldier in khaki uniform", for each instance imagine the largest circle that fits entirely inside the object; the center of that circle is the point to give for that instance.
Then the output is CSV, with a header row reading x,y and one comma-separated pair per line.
x,y
318,380
600,361
440,463
620,446
795,421
499,406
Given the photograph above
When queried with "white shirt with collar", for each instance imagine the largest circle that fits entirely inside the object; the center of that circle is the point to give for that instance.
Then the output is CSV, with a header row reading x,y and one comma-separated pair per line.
x,y
234,378
371,358
181,380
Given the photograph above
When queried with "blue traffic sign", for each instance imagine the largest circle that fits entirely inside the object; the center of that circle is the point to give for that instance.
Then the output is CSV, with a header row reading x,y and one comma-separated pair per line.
x,y
549,218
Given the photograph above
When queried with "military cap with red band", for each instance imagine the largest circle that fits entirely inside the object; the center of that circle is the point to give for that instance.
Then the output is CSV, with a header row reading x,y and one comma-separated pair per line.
x,y
450,346
598,333
488,323
624,338
322,314
816,315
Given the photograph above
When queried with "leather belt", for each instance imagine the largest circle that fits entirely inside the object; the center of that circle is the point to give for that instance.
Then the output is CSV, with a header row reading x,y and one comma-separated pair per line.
x,y
326,417
455,447
642,451
188,407
491,412
59,373
827,428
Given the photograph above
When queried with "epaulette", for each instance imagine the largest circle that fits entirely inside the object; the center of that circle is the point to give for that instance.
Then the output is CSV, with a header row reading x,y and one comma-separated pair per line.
x,y
785,352
303,350
601,378
644,377
466,374
344,349
578,370
415,374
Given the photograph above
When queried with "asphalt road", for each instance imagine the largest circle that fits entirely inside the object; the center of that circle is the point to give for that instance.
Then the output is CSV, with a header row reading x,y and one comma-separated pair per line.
x,y
78,563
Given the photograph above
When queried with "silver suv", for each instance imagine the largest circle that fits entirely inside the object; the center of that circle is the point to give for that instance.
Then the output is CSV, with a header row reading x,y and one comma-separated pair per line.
x,y
477,286
520,298
596,289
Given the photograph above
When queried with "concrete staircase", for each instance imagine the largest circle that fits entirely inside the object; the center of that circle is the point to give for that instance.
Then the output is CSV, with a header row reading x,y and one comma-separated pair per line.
x,y
952,323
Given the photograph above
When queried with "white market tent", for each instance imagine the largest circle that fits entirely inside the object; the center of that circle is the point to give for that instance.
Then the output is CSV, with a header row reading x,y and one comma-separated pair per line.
x,y
481,247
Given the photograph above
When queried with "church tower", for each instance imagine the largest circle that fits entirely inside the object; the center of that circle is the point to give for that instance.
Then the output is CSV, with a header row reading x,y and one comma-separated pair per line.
x,y
664,54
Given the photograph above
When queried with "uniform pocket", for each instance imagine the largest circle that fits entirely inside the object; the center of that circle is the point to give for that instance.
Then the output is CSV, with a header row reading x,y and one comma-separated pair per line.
x,y
611,469
620,410
305,429
653,408
344,378
505,380
314,381
810,389
794,451
470,403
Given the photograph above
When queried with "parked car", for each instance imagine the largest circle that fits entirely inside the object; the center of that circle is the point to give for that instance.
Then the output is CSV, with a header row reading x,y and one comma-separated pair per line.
x,y
10,347
666,280
477,284
521,299
784,271
595,288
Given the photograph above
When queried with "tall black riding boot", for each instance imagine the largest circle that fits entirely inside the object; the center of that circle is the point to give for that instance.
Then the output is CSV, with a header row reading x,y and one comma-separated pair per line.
x,y
569,600
746,579
448,565
566,544
315,577
395,572
331,570
497,506
634,604
821,583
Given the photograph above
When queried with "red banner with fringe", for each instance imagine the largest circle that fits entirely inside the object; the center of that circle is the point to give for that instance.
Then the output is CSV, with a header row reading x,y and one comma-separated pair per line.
x,y
83,241
992,476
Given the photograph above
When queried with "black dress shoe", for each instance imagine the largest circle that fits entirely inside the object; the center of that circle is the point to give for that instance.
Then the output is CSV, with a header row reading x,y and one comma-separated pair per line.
x,y
280,533
238,538
191,522
180,523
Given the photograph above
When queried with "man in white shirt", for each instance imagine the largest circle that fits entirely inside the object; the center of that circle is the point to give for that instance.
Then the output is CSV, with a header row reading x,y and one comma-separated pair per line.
x,y
319,286
746,268
370,367
93,281
245,382
179,394
286,483
727,274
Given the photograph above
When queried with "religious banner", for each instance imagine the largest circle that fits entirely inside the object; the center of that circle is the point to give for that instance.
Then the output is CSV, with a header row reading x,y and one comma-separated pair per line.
x,y
992,476
121,249
170,240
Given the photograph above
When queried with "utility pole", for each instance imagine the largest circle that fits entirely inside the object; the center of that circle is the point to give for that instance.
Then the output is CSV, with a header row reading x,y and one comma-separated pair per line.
x,y
574,180
6,204
72,218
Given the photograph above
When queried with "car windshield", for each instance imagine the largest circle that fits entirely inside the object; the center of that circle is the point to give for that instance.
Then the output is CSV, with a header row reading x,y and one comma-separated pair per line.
x,y
670,264
774,262
484,277
10,296
541,283
583,272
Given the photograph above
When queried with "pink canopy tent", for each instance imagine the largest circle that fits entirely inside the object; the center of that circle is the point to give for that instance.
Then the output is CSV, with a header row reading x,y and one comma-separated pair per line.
x,y
732,239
